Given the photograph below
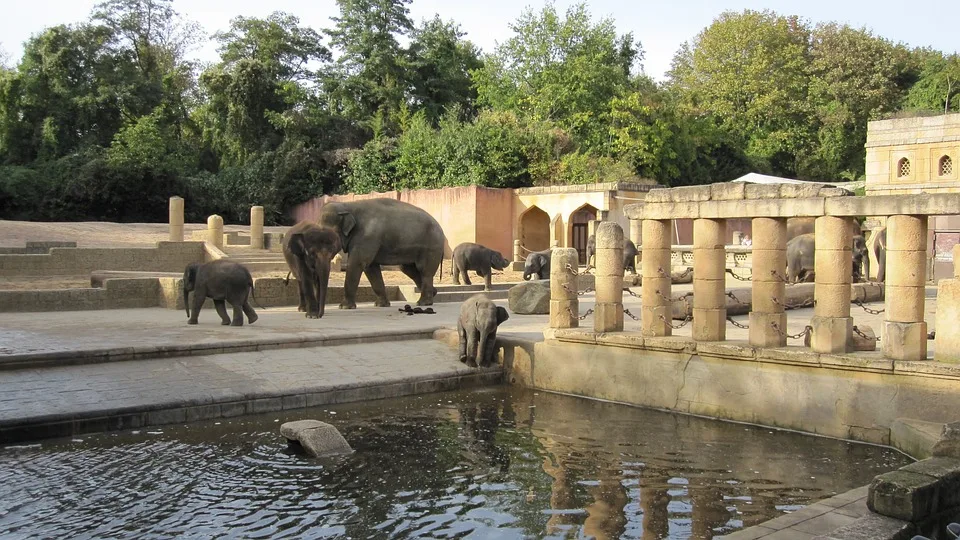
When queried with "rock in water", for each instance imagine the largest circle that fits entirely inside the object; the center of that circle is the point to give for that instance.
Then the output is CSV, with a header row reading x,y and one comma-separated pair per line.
x,y
317,438
530,298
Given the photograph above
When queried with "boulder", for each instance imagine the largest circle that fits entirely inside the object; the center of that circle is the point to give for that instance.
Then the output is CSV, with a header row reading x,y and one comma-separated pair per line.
x,y
317,438
949,443
530,298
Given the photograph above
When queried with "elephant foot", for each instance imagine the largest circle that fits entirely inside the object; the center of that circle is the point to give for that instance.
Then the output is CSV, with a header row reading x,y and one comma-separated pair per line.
x,y
301,308
348,305
191,321
237,323
471,362
425,302
463,358
382,302
226,322
253,318
313,315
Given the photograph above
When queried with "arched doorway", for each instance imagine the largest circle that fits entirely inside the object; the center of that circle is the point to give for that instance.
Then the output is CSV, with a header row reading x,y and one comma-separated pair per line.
x,y
534,230
557,228
580,229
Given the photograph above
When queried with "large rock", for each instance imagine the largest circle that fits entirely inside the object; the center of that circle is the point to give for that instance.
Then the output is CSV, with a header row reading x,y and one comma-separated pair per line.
x,y
317,438
530,298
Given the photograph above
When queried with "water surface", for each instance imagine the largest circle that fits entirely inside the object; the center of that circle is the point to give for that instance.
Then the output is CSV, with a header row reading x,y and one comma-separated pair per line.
x,y
495,463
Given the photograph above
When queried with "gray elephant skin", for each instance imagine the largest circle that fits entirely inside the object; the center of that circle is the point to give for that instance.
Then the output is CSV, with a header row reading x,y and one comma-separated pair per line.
x,y
379,232
537,264
309,250
223,281
629,254
801,258
477,329
880,251
481,259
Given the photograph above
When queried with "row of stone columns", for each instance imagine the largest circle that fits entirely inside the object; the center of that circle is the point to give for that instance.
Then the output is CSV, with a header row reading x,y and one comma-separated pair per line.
x,y
904,331
215,225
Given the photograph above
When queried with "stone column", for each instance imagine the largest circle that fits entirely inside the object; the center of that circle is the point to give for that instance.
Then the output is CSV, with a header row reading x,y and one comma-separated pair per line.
x,y
564,302
832,323
636,235
655,271
608,312
592,228
256,227
769,252
215,231
709,280
517,252
904,334
176,219
948,313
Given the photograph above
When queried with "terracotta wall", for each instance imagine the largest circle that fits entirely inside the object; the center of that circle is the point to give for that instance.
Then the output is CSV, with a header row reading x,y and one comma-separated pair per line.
x,y
494,220
454,208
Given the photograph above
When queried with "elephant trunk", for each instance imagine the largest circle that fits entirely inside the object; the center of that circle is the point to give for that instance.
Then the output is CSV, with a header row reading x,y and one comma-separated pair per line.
x,y
482,348
186,301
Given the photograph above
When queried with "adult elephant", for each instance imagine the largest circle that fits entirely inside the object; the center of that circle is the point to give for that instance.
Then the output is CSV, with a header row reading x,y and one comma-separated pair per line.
x,y
629,254
801,257
308,249
376,232
537,264
880,251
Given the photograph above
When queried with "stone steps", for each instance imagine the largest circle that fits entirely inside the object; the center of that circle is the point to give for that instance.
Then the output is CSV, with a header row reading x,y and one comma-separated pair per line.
x,y
457,293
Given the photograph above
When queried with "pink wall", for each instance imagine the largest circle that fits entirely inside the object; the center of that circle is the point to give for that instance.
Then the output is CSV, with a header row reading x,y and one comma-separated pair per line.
x,y
495,224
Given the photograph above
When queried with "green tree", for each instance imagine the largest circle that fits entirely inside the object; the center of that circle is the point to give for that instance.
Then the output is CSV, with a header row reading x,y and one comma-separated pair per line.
x,y
279,42
440,62
938,87
564,69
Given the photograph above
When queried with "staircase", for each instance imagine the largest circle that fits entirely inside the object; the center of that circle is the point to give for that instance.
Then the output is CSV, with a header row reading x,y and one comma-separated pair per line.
x,y
258,261
456,293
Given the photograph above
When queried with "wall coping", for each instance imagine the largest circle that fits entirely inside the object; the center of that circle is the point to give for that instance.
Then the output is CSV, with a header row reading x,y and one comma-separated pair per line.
x,y
643,186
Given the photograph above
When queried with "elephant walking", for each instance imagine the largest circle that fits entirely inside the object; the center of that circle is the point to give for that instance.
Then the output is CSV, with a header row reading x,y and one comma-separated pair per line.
x,y
309,250
477,330
224,281
481,259
376,232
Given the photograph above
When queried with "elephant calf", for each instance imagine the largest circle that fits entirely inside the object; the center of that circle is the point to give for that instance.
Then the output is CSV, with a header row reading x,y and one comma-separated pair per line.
x,y
537,264
481,259
477,328
224,281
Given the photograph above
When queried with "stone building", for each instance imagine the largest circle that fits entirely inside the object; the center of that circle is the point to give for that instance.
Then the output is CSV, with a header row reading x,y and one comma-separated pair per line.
x,y
918,155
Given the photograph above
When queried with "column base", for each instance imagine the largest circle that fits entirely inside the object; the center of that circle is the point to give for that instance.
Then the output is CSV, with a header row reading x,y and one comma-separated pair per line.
x,y
763,334
831,335
709,324
608,317
563,313
651,325
904,341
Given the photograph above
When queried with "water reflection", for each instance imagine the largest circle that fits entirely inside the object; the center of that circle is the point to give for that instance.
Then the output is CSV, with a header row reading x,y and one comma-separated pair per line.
x,y
494,463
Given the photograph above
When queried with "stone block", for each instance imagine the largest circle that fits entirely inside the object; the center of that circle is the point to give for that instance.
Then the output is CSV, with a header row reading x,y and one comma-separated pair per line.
x,y
317,438
833,267
948,445
608,317
530,298
609,289
769,233
672,210
710,263
934,204
866,342
709,293
609,235
905,304
655,264
766,294
657,234
801,191
832,300
831,334
767,261
654,319
709,233
904,341
908,268
947,472
834,192
907,233
709,324
903,495
649,295
727,191
689,194
833,233
609,262
761,191
762,333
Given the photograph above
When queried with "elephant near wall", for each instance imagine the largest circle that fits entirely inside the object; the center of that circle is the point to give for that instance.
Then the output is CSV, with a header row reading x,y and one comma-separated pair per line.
x,y
807,225
629,254
481,259
379,232
537,264
477,330
223,281
309,250
801,257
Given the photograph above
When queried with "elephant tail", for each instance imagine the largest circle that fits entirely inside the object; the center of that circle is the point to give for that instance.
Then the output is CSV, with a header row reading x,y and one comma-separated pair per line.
x,y
286,280
254,296
441,269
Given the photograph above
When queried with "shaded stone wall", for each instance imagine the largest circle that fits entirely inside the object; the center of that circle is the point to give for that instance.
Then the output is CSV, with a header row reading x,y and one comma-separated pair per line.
x,y
166,257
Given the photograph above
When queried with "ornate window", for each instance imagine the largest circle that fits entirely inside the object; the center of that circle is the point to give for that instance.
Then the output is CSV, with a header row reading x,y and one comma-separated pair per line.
x,y
945,167
903,168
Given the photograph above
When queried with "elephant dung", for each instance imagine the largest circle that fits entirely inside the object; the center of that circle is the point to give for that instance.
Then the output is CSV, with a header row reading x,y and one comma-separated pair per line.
x,y
317,438
530,298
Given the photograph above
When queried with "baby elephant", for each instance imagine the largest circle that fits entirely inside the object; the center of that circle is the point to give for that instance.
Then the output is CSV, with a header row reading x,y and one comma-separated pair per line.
x,y
481,259
223,281
477,327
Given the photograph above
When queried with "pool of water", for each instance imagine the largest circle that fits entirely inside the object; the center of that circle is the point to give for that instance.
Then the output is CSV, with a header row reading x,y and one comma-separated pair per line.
x,y
495,463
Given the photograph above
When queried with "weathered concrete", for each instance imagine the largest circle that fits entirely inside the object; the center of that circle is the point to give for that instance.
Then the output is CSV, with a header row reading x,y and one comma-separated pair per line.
x,y
319,439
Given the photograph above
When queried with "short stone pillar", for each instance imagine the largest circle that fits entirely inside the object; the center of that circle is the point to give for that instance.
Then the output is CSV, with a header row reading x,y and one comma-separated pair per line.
x,y
636,232
608,311
709,280
215,231
948,313
176,219
564,301
904,335
554,244
832,323
767,284
656,311
256,227
518,252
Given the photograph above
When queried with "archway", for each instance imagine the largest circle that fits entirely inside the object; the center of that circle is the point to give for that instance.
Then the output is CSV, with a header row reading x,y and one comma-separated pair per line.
x,y
580,229
534,230
557,228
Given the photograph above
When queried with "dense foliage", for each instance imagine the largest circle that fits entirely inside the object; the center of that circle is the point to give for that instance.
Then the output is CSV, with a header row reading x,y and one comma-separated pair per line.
x,y
107,118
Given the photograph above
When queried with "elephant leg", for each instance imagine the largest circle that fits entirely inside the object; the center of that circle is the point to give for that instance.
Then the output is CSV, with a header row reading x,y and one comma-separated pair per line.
x,y
466,277
472,345
411,271
248,310
375,277
488,280
462,334
237,314
456,273
351,280
427,270
490,351
221,306
198,299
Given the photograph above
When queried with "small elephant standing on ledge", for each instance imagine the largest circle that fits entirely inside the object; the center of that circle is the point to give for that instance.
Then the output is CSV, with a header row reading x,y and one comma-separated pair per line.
x,y
308,250
477,328
629,254
224,281
537,264
483,260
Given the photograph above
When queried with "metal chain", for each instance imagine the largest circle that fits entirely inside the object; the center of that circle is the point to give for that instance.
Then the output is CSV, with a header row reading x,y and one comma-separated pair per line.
x,y
808,303
738,325
631,293
779,276
581,317
748,278
806,330
685,273
677,326
574,272
868,310
864,336
631,315
579,293
661,272
677,299
734,298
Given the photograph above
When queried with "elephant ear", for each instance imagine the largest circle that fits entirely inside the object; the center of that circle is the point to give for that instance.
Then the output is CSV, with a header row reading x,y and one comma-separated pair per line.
x,y
347,222
502,315
296,245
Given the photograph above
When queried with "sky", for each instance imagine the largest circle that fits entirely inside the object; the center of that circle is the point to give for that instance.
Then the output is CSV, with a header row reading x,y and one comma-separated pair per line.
x,y
661,26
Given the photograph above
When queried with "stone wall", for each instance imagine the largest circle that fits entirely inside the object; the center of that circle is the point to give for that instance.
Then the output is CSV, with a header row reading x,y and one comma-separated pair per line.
x,y
922,142
166,257
33,248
